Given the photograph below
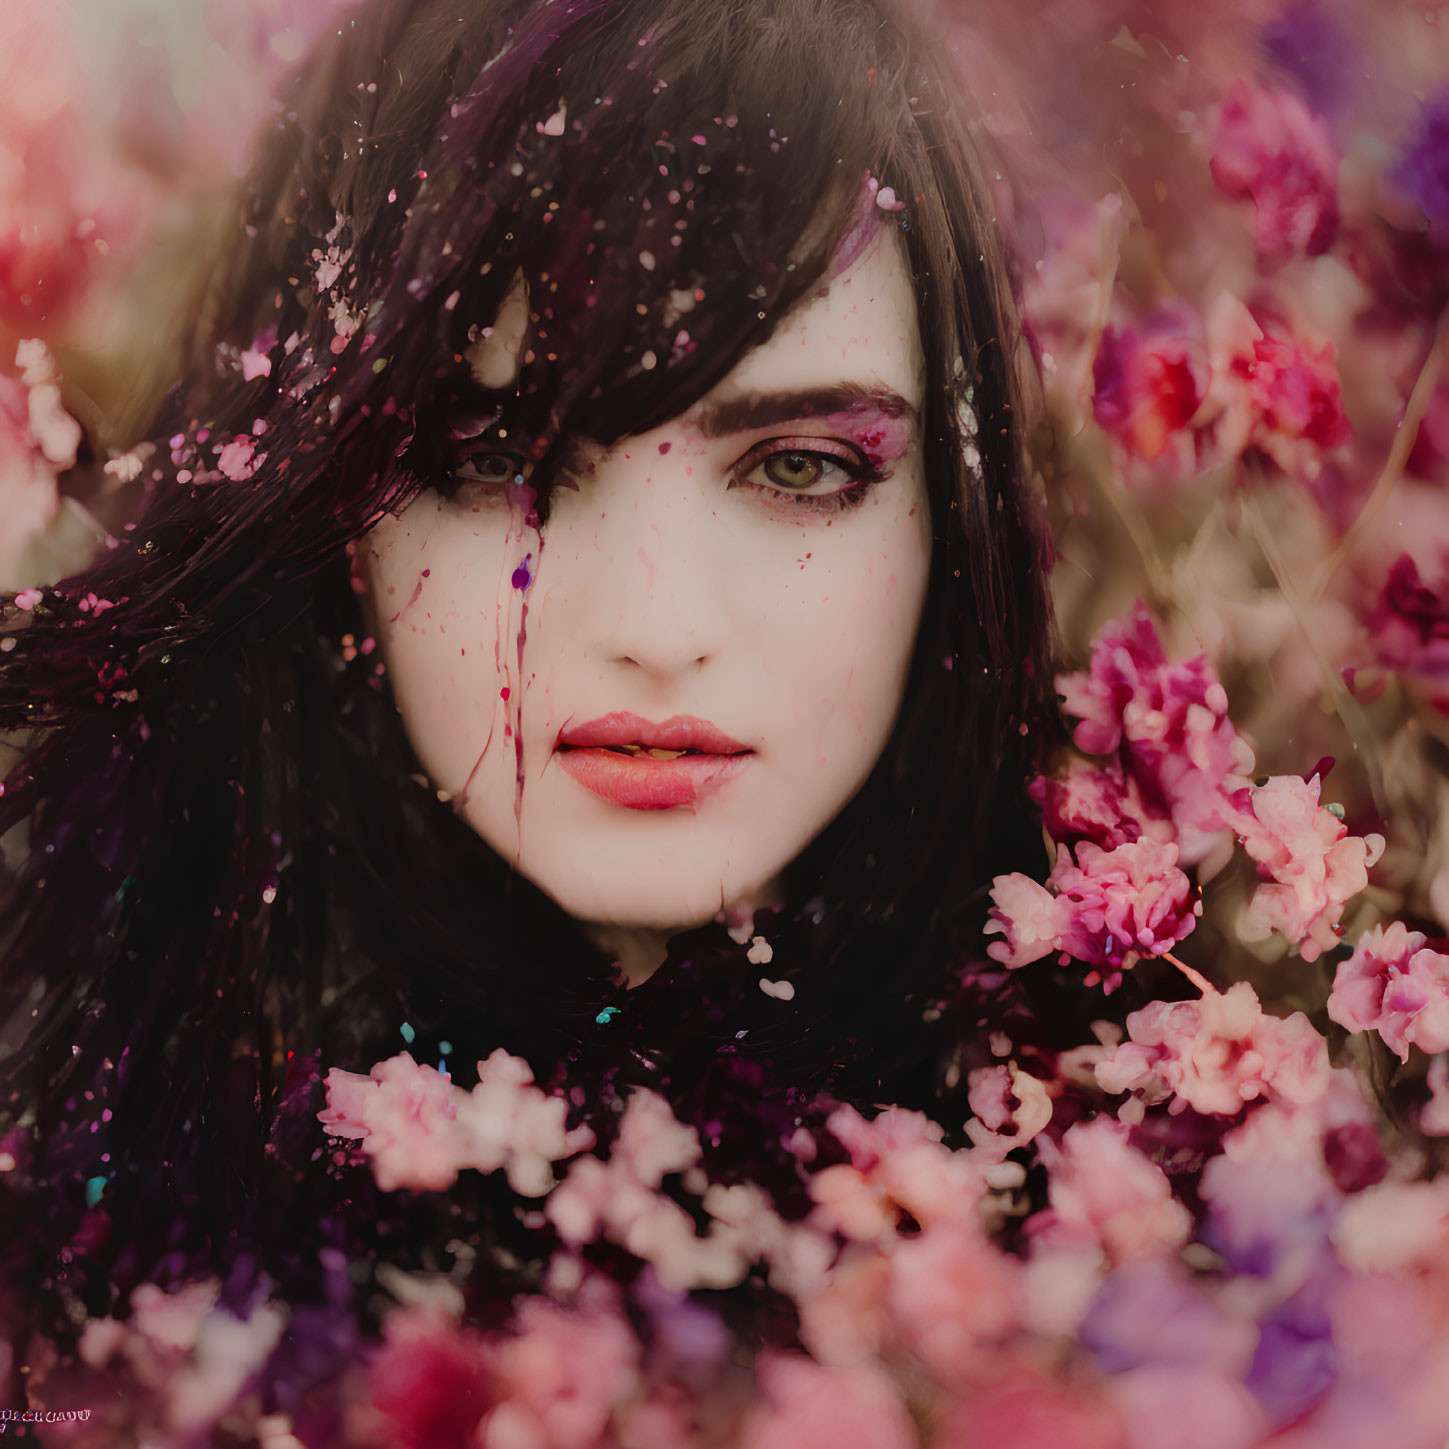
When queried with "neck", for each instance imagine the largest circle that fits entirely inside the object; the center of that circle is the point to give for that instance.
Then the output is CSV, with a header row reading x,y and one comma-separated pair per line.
x,y
638,950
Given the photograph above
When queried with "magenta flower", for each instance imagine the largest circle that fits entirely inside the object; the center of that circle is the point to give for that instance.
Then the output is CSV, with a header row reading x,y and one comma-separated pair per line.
x,y
1271,149
1099,908
1216,1054
1311,865
1409,624
1170,725
1395,985
432,1381
1101,804
1148,384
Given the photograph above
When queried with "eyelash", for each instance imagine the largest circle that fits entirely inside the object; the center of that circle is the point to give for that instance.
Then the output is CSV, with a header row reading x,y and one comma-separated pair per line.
x,y
862,474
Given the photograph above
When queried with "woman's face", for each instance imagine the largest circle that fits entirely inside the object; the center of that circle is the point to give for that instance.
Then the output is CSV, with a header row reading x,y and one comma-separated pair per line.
x,y
743,584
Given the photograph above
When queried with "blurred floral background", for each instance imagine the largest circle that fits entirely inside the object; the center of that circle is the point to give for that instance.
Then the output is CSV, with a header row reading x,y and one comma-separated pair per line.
x,y
1229,231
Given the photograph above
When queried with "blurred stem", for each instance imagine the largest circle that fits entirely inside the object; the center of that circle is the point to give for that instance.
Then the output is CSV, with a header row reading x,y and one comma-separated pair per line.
x,y
1196,977
1404,441
1355,720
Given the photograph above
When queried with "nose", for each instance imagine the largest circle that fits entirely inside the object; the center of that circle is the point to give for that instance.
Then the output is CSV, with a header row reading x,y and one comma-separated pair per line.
x,y
655,605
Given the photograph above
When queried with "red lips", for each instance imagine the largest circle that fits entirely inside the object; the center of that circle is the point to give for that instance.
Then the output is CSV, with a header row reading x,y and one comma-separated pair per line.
x,y
589,753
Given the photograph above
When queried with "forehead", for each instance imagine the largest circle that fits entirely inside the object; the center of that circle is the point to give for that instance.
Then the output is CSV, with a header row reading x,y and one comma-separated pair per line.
x,y
858,326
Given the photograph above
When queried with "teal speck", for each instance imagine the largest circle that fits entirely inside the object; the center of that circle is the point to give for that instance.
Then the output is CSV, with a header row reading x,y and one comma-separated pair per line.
x,y
445,1047
408,1033
604,1017
95,1186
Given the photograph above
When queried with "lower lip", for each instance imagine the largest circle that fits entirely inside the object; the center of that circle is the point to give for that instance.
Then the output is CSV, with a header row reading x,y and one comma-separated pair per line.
x,y
641,783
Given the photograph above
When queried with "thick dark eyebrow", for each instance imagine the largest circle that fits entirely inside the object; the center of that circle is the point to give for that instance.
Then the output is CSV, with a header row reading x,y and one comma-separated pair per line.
x,y
753,410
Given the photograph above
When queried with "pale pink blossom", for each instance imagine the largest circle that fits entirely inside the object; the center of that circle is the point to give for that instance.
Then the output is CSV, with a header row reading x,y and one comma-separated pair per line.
x,y
1394,1226
560,1374
897,1162
507,1122
1169,724
1099,908
1434,1114
239,459
1031,920
1205,1407
38,442
1396,985
1269,147
402,1116
1104,1193
618,1199
952,1295
803,1405
1311,864
1216,1054
420,1130
255,364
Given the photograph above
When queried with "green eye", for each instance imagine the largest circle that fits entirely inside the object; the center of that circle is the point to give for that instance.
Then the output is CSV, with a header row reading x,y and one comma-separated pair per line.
x,y
794,470
491,467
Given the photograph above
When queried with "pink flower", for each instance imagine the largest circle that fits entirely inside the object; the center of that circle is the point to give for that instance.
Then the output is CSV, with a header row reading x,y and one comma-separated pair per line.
x,y
1131,899
897,1162
1395,985
952,1295
1277,393
1102,907
560,1374
238,460
1269,147
38,441
1434,1115
1216,1054
1031,920
1170,724
421,1131
805,1406
1104,1193
507,1122
1410,624
1149,383
1040,1415
402,1114
1311,864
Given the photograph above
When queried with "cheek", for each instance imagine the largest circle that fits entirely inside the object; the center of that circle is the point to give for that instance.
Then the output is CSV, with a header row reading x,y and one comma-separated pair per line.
x,y
441,595
842,633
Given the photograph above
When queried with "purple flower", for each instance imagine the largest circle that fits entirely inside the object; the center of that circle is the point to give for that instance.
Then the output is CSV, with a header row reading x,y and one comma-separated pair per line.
x,y
1424,170
1310,45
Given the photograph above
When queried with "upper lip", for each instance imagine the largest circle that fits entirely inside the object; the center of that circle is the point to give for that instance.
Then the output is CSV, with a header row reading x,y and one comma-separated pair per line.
x,y
679,732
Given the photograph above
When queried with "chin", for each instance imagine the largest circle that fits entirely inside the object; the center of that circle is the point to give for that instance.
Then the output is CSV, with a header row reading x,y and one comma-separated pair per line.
x,y
654,904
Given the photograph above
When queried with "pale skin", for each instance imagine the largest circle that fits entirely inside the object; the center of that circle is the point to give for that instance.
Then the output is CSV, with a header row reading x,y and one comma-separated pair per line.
x,y
732,565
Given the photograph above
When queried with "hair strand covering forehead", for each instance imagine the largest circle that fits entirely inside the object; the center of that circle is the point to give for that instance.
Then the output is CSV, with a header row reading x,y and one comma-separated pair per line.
x,y
668,178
